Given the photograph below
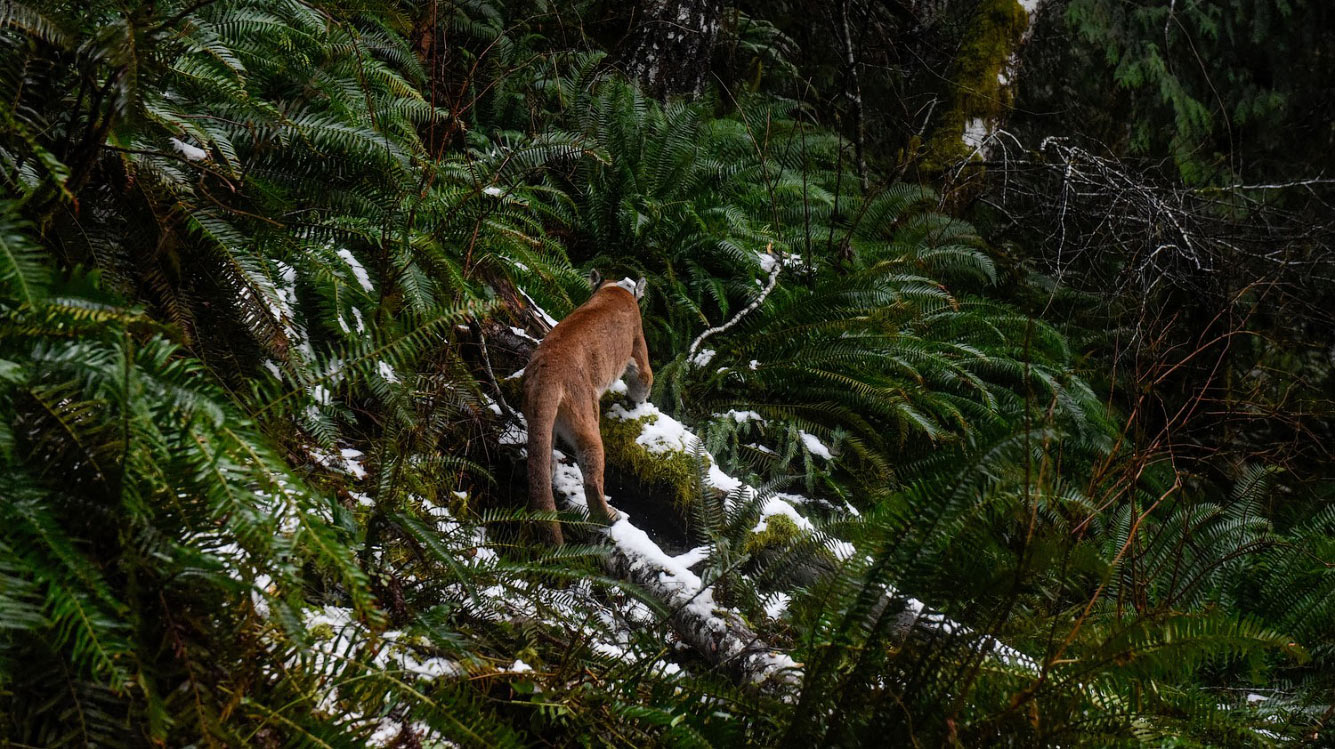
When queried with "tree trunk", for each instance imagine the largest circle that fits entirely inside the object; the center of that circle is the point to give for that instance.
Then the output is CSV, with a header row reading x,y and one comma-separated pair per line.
x,y
982,81
671,47
853,90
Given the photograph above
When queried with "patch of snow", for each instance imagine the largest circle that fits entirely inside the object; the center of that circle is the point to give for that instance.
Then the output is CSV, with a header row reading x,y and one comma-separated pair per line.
x,y
568,481
384,733
793,260
692,557
776,604
358,271
357,315
520,667
351,459
523,334
842,550
741,417
674,575
722,481
273,369
515,432
191,153
346,461
387,372
613,651
975,132
776,506
767,262
659,433
703,357
493,191
815,446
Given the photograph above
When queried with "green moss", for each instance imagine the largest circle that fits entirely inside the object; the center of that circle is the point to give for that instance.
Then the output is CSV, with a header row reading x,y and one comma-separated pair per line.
x,y
322,632
673,469
780,530
974,91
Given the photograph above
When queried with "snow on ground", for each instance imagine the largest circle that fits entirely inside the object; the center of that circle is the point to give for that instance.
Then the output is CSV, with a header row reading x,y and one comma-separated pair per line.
x,y
514,433
389,730
347,460
339,640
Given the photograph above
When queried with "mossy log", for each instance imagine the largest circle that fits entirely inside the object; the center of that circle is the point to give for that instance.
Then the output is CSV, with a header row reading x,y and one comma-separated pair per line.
x,y
653,487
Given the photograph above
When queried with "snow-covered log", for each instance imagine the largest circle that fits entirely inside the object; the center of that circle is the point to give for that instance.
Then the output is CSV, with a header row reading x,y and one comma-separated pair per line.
x,y
717,634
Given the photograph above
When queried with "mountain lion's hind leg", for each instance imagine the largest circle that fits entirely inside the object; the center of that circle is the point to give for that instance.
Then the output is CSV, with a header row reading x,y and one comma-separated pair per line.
x,y
589,452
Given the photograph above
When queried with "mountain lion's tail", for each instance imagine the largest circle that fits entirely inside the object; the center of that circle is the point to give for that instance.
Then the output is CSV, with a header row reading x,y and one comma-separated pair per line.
x,y
541,421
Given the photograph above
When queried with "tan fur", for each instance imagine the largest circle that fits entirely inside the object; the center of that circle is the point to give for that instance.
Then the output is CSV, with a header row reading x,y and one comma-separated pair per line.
x,y
593,347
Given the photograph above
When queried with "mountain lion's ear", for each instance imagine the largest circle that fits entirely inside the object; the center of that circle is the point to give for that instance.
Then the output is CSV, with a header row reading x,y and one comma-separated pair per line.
x,y
595,278
639,288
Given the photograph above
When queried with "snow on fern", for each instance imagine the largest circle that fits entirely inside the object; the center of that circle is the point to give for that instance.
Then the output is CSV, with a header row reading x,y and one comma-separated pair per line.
x,y
191,153
358,271
815,446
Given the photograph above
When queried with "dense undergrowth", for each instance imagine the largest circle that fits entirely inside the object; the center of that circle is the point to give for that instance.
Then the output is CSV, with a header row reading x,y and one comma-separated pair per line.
x,y
255,484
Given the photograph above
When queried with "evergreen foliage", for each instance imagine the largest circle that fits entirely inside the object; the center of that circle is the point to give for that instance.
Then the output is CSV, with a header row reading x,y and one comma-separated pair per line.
x,y
255,459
